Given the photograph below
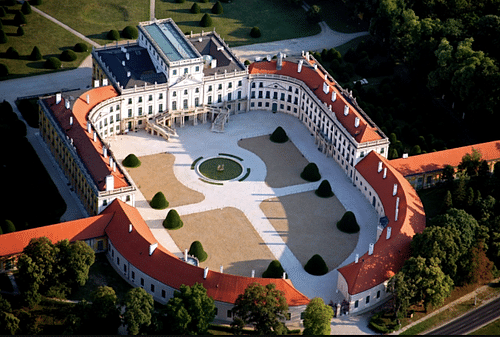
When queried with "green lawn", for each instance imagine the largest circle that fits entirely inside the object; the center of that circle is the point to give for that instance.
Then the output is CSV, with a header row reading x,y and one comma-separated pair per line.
x,y
50,38
276,20
492,329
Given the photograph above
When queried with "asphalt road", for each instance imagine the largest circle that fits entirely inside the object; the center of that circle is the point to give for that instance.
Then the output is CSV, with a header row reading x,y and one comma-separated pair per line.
x,y
470,321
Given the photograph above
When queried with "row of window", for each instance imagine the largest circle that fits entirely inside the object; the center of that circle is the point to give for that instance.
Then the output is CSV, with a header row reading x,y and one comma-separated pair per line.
x,y
275,96
356,303
229,85
261,85
139,100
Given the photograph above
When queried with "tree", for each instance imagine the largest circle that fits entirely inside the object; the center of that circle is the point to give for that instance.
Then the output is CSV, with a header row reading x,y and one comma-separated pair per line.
x,y
68,55
262,307
311,173
173,220
9,323
26,8
313,14
448,201
130,32
36,2
159,201
206,20
448,173
274,270
20,19
463,222
316,265
403,294
217,8
255,32
480,266
279,135
20,31
317,317
36,264
8,227
195,8
459,193
348,223
12,53
113,35
35,54
324,190
190,311
76,259
196,250
470,163
138,310
104,312
393,153
80,47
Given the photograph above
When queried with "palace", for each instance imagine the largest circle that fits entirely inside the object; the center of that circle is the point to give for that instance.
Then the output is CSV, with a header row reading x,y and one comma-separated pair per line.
x,y
167,80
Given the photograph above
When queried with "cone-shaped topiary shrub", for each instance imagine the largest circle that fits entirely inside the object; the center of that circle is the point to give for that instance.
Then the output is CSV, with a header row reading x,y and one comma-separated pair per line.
x,y
113,35
8,227
197,251
255,32
279,135
173,220
316,266
20,31
20,19
26,8
217,8
324,190
274,270
159,201
68,55
195,8
4,70
311,172
12,53
1,24
130,32
131,161
206,20
80,47
348,223
3,37
35,54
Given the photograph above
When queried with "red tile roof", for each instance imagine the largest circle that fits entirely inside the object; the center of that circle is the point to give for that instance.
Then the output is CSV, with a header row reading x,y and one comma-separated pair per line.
x,y
389,255
436,161
314,79
168,269
88,228
90,152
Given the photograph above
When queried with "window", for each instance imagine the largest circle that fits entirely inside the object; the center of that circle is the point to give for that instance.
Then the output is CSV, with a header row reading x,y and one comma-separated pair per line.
x,y
139,99
220,86
174,94
209,99
100,246
229,313
117,260
253,85
139,111
150,98
125,268
230,85
152,288
267,104
282,106
282,96
219,98
197,69
186,70
229,96
105,122
239,83
174,105
288,316
261,85
197,90
252,95
356,304
260,94
150,109
296,101
140,122
163,293
289,99
185,92
268,94
290,88
302,315
239,94
160,107
209,88
111,109
252,104
185,104
160,96
362,154
378,294
196,101
382,150
110,119
275,95
367,299
130,101
174,72
127,198
104,202
259,104
216,311
129,113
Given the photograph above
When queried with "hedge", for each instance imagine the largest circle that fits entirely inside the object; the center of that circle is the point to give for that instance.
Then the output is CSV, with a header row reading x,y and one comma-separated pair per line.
x,y
274,270
68,55
113,35
195,8
12,53
173,220
80,47
206,20
217,8
348,223
131,161
53,63
35,54
316,266
130,32
311,173
8,227
324,190
255,32
197,251
4,70
180,1
159,201
204,1
279,135
9,2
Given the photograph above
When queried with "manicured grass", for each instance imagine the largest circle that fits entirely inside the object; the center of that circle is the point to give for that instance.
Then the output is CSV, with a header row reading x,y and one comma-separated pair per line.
x,y
492,329
432,198
276,20
338,17
50,38
95,19
209,168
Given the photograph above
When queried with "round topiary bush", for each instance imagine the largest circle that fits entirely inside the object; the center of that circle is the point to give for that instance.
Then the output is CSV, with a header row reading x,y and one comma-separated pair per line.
x,y
130,32
159,201
12,53
255,32
4,70
217,8
274,270
324,190
206,20
20,19
3,37
35,54
247,62
197,251
279,135
311,173
131,161
316,266
8,227
173,220
20,31
348,223
113,35
68,55
195,8
26,8
80,47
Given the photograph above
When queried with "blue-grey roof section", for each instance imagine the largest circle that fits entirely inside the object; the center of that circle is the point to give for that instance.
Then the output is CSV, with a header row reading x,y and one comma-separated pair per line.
x,y
173,45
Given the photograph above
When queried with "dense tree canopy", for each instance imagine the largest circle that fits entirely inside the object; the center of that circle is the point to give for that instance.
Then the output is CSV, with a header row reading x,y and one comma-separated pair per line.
x,y
138,310
317,317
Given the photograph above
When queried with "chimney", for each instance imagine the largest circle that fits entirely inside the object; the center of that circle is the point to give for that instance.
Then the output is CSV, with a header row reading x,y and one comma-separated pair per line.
x,y
395,189
379,167
253,273
104,152
279,63
110,161
200,39
152,248
128,74
127,56
66,104
205,273
114,166
89,127
356,258
307,55
299,69
95,136
397,214
284,275
370,249
105,81
388,234
58,98
96,84
130,227
326,76
346,110
385,172
315,66
326,88
123,64
405,155
88,99
213,63
221,269
110,183
70,120
334,96
185,255
356,122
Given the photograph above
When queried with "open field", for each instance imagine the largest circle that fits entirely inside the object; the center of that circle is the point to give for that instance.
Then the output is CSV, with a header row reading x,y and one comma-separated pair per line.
x,y
50,38
156,174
